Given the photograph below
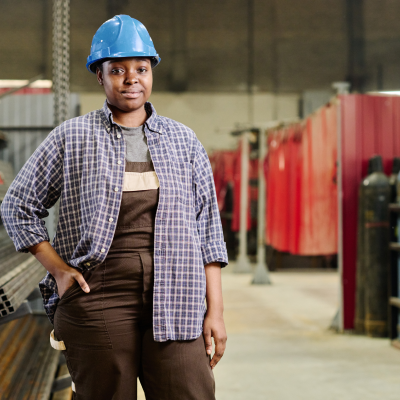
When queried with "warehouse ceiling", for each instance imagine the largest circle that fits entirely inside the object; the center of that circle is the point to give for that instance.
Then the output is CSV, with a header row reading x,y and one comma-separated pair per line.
x,y
220,45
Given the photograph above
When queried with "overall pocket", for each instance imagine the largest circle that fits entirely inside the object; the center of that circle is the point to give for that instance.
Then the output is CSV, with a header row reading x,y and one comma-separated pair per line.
x,y
79,318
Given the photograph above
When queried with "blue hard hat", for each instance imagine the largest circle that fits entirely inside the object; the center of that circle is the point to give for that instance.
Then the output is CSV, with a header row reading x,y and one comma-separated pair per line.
x,y
121,36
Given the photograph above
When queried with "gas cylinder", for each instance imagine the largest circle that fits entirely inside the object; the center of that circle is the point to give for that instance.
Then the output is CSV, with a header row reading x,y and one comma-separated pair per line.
x,y
393,179
396,285
359,320
375,208
393,198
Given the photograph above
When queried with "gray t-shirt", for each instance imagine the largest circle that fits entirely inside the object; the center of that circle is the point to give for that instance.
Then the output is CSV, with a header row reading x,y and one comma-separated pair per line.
x,y
136,144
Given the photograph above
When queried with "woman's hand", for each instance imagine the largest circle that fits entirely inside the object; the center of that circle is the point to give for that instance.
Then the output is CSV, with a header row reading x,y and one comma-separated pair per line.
x,y
66,278
214,326
64,275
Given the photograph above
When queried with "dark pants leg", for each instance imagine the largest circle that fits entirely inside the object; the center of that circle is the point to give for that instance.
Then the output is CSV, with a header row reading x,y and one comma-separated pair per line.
x,y
176,370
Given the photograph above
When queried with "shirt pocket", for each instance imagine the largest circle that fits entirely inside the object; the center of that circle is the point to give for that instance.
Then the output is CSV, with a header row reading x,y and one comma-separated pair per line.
x,y
182,174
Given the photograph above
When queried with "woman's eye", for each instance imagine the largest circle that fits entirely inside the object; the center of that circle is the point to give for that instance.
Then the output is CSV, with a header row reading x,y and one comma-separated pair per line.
x,y
117,70
142,70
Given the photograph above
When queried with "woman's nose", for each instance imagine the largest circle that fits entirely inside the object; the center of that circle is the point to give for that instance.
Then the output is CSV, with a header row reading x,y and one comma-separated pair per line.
x,y
131,78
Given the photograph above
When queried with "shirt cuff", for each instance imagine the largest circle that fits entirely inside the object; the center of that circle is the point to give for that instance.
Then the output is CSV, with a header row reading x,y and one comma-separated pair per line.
x,y
215,252
24,240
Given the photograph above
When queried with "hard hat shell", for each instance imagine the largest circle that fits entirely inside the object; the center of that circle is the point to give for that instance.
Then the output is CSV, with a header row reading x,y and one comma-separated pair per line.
x,y
121,36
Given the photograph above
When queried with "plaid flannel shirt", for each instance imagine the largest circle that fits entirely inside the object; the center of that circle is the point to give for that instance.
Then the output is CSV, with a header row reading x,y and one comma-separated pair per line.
x,y
81,162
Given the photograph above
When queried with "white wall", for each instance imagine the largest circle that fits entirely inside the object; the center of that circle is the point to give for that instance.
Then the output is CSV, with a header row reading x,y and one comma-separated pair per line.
x,y
214,115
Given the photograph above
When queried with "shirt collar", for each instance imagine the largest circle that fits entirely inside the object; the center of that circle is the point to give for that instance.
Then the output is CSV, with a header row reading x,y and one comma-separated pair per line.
x,y
153,123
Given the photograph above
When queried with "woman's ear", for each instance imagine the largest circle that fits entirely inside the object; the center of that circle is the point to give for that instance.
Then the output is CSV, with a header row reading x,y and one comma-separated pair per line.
x,y
99,74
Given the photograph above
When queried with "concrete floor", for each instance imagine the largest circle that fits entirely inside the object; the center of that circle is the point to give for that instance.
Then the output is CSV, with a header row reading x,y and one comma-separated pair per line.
x,y
280,348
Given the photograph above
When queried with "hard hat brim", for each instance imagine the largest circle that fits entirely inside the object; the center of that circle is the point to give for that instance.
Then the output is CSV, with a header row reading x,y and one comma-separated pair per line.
x,y
92,64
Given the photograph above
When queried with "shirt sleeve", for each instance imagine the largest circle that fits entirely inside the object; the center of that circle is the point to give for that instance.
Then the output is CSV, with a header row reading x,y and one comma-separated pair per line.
x,y
213,246
35,189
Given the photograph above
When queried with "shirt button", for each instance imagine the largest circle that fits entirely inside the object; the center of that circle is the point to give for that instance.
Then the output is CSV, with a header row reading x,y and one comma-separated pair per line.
x,y
119,162
118,136
116,189
108,130
110,219
87,264
103,250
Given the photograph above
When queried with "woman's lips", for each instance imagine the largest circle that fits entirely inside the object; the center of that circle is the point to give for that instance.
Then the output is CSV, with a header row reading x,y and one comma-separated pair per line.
x,y
131,95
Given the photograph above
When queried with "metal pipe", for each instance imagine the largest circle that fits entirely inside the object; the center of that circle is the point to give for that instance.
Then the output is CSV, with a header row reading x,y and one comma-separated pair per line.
x,y
356,44
179,65
250,60
340,215
274,59
261,275
242,263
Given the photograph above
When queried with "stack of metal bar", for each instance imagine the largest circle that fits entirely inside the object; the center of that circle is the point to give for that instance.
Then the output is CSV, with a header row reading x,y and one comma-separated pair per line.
x,y
28,363
20,274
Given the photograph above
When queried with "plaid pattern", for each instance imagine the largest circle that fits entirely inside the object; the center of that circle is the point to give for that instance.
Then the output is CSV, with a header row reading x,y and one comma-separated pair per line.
x,y
82,162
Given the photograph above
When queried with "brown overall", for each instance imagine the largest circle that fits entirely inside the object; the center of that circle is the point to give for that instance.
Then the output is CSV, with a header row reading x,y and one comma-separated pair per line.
x,y
108,332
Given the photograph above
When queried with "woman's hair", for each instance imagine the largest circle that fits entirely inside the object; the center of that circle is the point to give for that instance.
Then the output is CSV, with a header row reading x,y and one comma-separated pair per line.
x,y
99,65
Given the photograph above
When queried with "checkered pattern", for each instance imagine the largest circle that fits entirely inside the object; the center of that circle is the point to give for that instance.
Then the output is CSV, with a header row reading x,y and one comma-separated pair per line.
x,y
78,164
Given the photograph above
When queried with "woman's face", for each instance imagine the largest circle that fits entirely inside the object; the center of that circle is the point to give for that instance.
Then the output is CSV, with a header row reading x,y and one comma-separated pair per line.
x,y
127,82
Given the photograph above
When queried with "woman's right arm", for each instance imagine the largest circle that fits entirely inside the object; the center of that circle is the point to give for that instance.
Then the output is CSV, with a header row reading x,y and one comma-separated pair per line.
x,y
35,189
62,272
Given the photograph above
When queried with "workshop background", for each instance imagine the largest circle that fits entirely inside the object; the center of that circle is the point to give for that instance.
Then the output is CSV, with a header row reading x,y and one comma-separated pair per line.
x,y
297,103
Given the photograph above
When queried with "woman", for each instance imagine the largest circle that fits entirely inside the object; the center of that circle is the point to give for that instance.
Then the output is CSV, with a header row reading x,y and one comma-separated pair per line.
x,y
139,244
